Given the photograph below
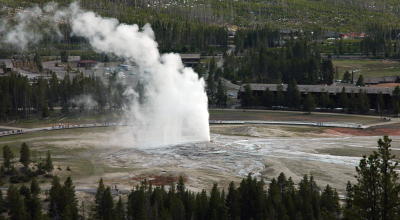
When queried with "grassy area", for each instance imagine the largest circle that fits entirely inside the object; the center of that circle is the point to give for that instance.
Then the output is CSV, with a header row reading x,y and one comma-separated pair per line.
x,y
290,116
58,118
368,67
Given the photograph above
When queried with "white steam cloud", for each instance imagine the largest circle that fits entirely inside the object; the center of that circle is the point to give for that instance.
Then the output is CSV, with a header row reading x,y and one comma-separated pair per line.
x,y
175,108
84,101
30,25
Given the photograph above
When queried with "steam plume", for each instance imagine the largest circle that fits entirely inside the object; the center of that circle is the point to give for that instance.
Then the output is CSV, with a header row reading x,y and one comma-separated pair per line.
x,y
30,25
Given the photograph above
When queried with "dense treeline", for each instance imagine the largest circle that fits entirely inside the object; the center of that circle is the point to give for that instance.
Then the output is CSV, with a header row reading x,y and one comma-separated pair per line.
x,y
22,98
374,195
343,15
381,41
171,36
216,91
186,37
259,36
298,59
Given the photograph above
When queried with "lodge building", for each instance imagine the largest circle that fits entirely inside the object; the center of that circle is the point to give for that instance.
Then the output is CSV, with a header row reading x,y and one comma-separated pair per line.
x,y
334,91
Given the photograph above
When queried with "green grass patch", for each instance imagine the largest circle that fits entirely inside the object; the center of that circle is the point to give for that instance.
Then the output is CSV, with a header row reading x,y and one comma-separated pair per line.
x,y
368,67
57,118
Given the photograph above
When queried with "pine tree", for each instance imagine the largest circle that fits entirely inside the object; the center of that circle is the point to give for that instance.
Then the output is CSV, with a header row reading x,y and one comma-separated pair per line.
x,y
325,100
119,210
221,97
7,157
344,99
389,180
267,99
247,98
309,103
214,203
177,208
293,96
350,211
251,198
380,104
137,204
38,61
274,201
396,100
56,199
99,199
200,70
35,188
353,103
201,205
180,187
377,191
360,81
25,155
34,207
328,71
16,206
107,205
346,77
330,208
25,191
2,203
70,203
48,166
279,97
64,56
363,103
233,203
211,87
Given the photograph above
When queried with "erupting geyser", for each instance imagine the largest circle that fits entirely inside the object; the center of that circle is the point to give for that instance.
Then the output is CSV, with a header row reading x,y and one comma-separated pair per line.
x,y
175,106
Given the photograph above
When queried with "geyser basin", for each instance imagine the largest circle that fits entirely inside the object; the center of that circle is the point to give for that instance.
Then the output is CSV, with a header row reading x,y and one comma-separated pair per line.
x,y
90,155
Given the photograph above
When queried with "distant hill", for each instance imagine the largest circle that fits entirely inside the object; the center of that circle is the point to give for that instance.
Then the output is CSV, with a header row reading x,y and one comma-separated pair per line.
x,y
336,15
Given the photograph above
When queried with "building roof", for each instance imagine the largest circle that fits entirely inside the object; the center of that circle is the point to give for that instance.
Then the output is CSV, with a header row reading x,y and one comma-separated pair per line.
x,y
190,55
385,85
229,85
333,89
353,35
383,79
74,58
331,34
87,61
